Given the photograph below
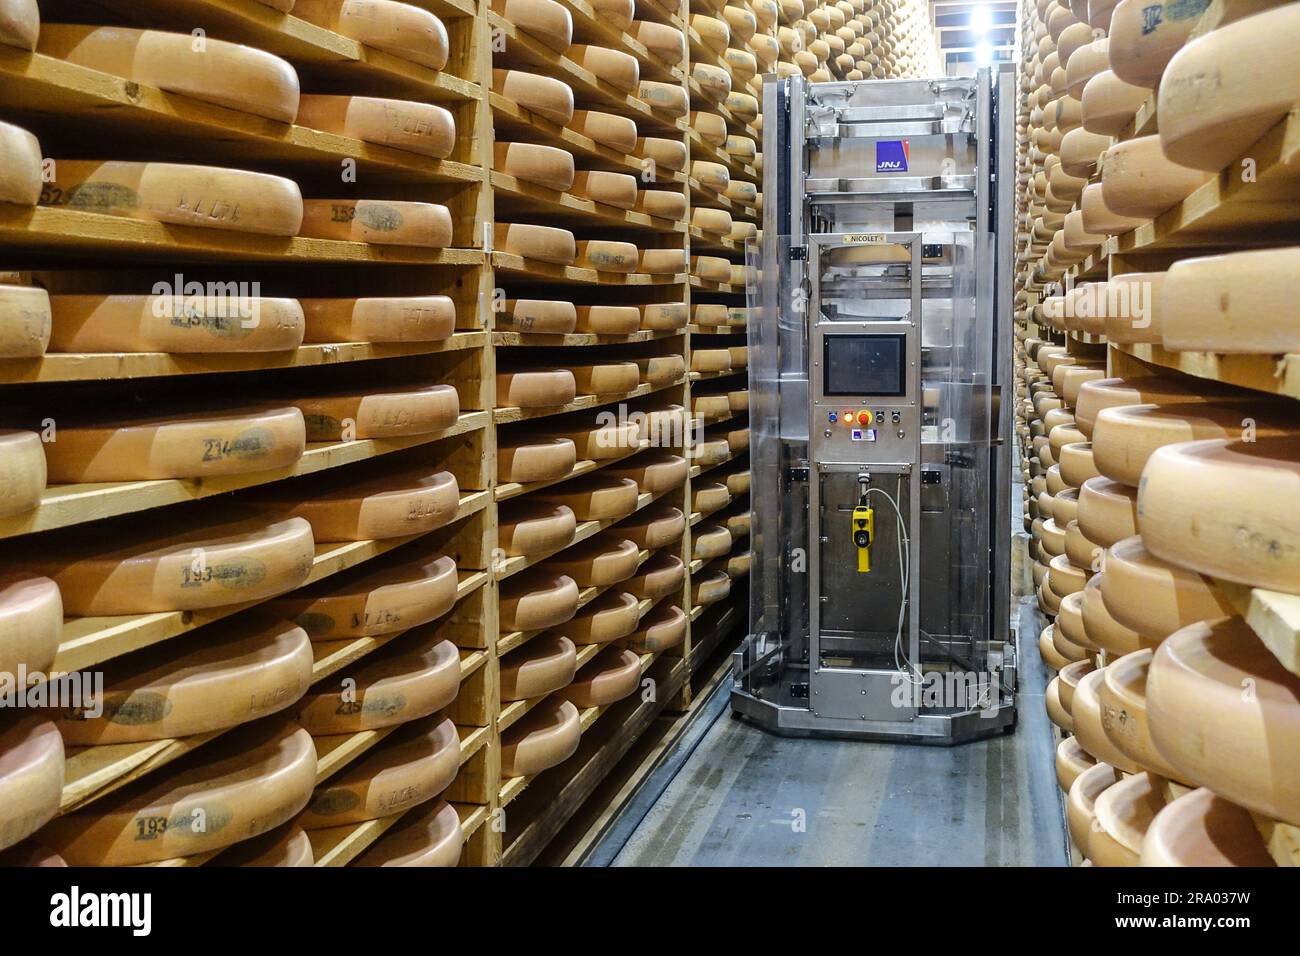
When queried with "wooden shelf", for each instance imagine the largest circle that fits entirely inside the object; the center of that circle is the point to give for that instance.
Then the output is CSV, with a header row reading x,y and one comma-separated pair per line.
x,y
702,241
1275,374
1273,615
534,271
34,86
315,51
703,149
513,489
88,641
514,196
590,27
502,416
25,231
65,505
115,366
541,339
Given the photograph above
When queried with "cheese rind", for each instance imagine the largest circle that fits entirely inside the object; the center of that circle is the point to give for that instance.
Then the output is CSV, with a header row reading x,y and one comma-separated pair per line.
x,y
178,194
373,601
536,315
237,77
607,129
400,682
607,255
1243,746
661,39
22,471
548,98
1109,104
1154,597
1201,829
667,153
610,676
1080,806
537,599
543,665
536,388
231,563
599,497
181,324
252,668
25,316
402,124
533,460
238,787
613,189
31,622
547,735
532,162
613,615
431,837
1231,303
614,67
31,777
1251,535
426,318
668,98
654,528
383,222
1123,813
185,445
1124,712
1088,727
528,527
544,243
392,413
411,766
20,23
403,29
391,504
1071,760
284,846
662,627
606,559
1137,180
546,20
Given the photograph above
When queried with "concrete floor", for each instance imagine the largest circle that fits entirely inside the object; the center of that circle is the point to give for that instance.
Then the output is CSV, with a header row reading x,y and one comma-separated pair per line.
x,y
746,798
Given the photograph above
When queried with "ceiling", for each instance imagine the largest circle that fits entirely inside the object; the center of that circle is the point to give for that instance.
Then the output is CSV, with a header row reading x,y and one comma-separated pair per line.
x,y
959,43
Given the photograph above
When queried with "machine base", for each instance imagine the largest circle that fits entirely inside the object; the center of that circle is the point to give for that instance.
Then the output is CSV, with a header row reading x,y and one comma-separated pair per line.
x,y
936,729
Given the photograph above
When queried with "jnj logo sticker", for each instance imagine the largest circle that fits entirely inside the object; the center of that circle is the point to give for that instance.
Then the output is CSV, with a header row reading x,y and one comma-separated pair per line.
x,y
891,155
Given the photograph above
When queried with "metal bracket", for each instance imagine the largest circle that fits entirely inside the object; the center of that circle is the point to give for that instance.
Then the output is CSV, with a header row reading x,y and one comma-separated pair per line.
x,y
798,253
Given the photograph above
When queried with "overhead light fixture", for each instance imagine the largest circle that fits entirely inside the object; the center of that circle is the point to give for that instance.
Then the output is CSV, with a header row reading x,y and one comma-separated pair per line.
x,y
981,20
983,53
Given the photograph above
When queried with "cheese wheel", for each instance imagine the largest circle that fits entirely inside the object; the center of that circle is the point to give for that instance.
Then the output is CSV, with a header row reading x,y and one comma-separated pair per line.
x,y
31,622
614,189
1080,805
535,163
1056,712
652,471
600,561
402,124
713,81
1230,303
31,777
661,203
535,388
431,837
711,269
661,370
716,221
1051,538
417,410
1201,829
742,23
251,668
1086,715
663,261
738,483
228,74
373,600
1224,91
1124,712
1126,436
711,175
409,767
232,789
738,524
547,735
167,323
186,445
710,314
607,129
25,316
710,360
1097,218
545,20
1080,151
598,497
1100,625
543,665
383,222
740,191
712,128
428,318
285,846
136,572
614,67
544,243
400,682
532,460
1123,813
1107,511
537,599
663,40
607,379
1157,390
711,541
20,23
537,315
668,98
1143,40
233,200
1154,597
402,29
654,528
713,33
709,496
1081,552
1243,746
709,587
548,98
610,676
391,503
767,49
606,255
528,527
22,471
604,441
1077,464
662,627
667,153
618,13
765,11
744,107
1109,104
1137,179
1071,760
1251,535
613,615
1070,674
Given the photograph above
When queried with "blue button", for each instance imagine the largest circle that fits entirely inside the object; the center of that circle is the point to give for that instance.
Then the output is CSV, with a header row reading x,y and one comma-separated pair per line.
x,y
833,418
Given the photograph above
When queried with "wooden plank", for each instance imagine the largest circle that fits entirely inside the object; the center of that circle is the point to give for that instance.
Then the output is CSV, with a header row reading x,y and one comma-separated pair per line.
x,y
1274,374
517,199
503,416
533,271
65,505
1274,616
